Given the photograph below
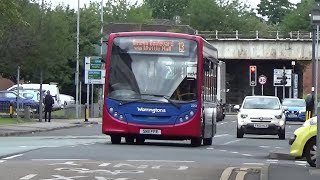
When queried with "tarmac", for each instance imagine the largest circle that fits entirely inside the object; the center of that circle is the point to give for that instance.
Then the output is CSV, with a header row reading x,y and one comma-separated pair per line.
x,y
36,126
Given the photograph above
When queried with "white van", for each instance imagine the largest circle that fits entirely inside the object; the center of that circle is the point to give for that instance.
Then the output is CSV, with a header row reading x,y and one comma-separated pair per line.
x,y
53,88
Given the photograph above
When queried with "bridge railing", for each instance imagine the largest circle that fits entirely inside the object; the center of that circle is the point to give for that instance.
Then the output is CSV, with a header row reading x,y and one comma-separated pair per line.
x,y
255,35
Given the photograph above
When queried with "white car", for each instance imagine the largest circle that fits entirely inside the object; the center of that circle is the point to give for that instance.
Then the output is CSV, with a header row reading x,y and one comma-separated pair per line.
x,y
66,100
263,115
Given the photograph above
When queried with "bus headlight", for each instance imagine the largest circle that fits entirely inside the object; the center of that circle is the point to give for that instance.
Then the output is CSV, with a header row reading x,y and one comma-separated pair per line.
x,y
186,117
111,110
191,113
181,119
121,117
115,114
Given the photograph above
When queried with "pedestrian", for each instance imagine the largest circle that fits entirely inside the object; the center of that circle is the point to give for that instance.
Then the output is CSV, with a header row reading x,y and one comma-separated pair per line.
x,y
48,102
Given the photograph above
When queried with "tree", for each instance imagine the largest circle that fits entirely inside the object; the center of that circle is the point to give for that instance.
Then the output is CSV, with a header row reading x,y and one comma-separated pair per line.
x,y
167,9
298,19
274,10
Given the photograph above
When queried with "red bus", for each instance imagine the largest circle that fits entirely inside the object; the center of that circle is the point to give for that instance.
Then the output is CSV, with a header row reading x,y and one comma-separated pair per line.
x,y
160,85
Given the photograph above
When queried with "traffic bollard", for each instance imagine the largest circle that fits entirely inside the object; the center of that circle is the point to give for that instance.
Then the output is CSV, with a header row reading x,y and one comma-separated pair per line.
x,y
11,110
86,113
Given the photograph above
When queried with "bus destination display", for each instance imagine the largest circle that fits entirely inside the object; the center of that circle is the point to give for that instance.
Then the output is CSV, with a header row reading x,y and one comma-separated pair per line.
x,y
179,47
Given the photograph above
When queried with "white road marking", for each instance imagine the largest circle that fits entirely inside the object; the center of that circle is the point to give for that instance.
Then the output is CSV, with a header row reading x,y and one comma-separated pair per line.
x,y
59,159
11,157
222,150
272,160
241,175
231,142
210,148
234,152
253,164
27,177
221,135
103,178
104,164
161,161
234,121
247,154
226,173
278,147
1,161
301,162
264,146
23,146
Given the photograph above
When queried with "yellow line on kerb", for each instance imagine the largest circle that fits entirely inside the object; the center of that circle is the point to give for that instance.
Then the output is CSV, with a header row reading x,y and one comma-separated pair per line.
x,y
226,173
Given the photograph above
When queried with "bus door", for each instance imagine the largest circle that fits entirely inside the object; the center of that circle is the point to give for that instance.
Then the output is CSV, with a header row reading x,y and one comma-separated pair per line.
x,y
209,99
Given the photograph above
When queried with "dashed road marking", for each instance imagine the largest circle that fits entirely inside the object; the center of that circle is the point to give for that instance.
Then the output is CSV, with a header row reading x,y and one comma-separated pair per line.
x,y
162,161
222,150
1,161
59,159
210,148
260,164
264,146
247,154
234,152
221,135
27,177
11,157
230,142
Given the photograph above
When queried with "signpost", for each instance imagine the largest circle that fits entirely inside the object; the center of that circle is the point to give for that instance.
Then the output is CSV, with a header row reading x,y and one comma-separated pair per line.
x,y
94,74
262,81
282,77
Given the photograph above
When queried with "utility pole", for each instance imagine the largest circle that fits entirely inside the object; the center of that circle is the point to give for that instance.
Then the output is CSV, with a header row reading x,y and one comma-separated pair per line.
x,y
315,22
18,87
284,82
41,74
77,68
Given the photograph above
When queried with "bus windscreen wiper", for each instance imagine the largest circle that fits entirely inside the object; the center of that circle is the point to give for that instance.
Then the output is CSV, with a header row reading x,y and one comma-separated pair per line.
x,y
166,97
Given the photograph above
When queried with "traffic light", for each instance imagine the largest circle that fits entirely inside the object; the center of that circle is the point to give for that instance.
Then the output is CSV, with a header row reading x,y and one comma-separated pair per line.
x,y
253,75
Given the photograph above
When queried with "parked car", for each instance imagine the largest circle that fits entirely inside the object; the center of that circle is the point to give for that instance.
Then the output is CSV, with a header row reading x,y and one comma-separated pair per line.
x,y
296,109
7,97
303,144
66,100
261,115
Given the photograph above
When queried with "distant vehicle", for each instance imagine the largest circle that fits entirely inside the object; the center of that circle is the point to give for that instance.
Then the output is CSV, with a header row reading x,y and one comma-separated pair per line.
x,y
53,88
296,109
154,88
303,144
7,97
66,100
261,115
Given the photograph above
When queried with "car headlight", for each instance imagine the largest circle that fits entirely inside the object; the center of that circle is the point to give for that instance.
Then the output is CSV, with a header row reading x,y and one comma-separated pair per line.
x,y
244,115
309,122
278,116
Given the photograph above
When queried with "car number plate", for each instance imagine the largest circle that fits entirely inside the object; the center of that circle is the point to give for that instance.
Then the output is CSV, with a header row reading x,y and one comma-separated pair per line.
x,y
150,131
261,125
292,115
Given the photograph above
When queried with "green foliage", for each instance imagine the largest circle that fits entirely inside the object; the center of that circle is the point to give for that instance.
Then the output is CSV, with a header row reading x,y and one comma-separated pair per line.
x,y
167,9
274,10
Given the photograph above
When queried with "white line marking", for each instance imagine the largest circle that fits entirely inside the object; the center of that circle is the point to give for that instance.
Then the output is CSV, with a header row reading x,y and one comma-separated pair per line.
x,y
264,146
272,160
247,155
253,164
27,177
301,162
231,142
233,121
59,159
221,135
11,157
222,150
221,123
104,164
23,146
278,147
1,161
234,152
161,161
241,175
210,148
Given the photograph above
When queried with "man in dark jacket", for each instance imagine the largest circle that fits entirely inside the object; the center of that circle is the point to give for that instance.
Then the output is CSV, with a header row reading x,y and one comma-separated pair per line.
x,y
48,102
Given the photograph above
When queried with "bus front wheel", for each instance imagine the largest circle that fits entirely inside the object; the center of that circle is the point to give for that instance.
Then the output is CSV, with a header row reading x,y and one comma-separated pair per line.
x,y
196,142
115,139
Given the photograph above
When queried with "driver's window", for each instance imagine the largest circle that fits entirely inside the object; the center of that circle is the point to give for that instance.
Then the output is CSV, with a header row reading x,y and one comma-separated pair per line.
x,y
209,81
11,95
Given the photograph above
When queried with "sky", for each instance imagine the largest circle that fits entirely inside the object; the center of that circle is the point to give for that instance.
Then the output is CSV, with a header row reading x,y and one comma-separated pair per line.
x,y
74,3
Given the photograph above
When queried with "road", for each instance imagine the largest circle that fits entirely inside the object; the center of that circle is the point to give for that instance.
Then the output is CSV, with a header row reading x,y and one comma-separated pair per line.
x,y
84,154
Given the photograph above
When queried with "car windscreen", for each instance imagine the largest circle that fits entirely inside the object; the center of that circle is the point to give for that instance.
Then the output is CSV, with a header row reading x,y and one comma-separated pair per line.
x,y
261,103
294,102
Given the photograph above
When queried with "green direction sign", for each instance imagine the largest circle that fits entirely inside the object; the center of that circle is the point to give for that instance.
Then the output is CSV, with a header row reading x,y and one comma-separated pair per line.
x,y
94,75
95,63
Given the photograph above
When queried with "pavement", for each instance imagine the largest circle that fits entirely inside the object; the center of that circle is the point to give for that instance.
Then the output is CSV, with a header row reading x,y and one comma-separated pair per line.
x,y
36,126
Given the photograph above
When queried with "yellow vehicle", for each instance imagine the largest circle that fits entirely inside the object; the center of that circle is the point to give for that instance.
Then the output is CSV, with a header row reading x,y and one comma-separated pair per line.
x,y
303,144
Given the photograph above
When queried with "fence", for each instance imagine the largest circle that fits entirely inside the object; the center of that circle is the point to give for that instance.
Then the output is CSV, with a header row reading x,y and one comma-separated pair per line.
x,y
255,35
8,109
69,112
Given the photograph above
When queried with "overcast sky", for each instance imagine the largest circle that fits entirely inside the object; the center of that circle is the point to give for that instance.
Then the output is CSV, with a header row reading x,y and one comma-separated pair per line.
x,y
74,3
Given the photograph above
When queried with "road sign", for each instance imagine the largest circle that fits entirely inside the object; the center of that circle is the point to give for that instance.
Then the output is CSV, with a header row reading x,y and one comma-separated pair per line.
x,y
262,79
277,77
94,70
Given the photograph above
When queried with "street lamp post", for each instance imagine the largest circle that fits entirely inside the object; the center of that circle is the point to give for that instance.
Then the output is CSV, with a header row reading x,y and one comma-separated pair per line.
x,y
77,66
315,21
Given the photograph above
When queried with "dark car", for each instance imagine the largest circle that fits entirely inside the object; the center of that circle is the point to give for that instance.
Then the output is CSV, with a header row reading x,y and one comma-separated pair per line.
x,y
296,109
11,97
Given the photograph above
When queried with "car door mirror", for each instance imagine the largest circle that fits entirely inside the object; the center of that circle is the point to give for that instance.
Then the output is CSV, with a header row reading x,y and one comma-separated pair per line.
x,y
285,108
236,107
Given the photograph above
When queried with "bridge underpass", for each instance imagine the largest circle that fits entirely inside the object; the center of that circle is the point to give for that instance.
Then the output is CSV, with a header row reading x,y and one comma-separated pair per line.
x,y
267,53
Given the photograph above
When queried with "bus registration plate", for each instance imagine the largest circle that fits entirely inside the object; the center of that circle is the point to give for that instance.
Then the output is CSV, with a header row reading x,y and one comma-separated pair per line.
x,y
150,131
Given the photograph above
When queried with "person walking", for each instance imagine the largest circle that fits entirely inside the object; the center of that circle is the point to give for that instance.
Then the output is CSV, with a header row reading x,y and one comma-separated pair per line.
x,y
48,102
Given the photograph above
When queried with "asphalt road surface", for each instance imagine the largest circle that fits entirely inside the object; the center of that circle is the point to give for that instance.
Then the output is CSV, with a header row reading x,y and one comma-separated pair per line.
x,y
85,154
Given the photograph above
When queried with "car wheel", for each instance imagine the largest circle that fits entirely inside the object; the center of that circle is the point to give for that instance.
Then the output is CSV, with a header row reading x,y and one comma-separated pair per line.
x,y
196,142
310,152
282,134
207,141
240,133
115,139
129,140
